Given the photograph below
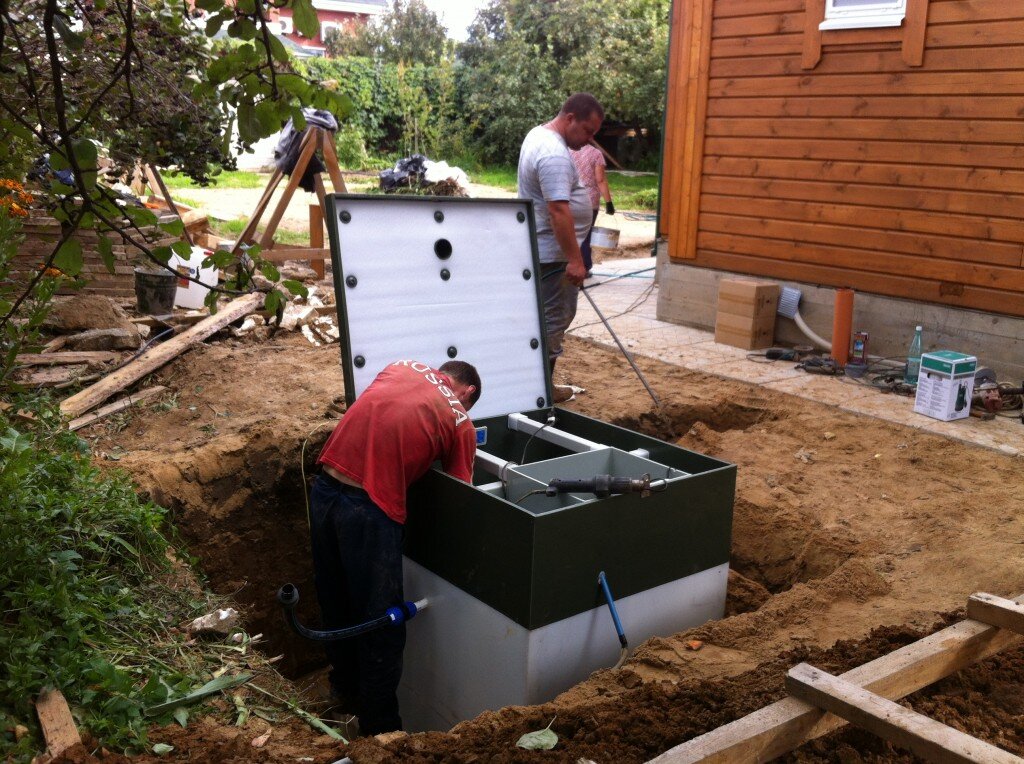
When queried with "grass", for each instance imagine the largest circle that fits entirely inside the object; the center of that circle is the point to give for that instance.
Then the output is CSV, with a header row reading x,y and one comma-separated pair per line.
x,y
630,192
232,229
227,179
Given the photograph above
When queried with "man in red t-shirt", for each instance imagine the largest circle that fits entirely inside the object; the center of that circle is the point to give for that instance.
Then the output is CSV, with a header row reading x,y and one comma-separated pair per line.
x,y
408,418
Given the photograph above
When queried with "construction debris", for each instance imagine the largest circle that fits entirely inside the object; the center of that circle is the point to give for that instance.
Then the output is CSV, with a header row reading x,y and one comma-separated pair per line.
x,y
157,356
113,408
58,725
220,622
105,339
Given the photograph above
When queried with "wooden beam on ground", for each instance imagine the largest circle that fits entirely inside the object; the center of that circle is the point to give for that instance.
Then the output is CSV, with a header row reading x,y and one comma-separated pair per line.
x,y
295,253
996,611
58,725
787,724
157,356
316,238
56,359
929,739
120,405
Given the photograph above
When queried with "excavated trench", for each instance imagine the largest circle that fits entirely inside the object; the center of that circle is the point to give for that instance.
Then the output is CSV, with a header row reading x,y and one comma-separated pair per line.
x,y
769,550
240,508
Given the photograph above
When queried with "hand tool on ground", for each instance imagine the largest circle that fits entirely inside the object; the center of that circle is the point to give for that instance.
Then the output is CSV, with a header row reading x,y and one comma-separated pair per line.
x,y
626,353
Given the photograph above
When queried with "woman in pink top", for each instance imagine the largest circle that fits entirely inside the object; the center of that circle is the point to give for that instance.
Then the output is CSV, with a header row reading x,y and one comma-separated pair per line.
x,y
590,165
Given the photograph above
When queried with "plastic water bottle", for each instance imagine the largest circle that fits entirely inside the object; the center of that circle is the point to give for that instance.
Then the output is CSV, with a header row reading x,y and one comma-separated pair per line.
x,y
913,359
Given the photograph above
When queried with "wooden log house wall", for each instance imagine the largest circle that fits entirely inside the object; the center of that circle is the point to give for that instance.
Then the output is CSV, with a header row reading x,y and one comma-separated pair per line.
x,y
890,160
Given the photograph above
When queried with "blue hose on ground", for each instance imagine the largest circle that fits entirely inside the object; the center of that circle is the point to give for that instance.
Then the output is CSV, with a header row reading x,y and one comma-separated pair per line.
x,y
288,596
602,580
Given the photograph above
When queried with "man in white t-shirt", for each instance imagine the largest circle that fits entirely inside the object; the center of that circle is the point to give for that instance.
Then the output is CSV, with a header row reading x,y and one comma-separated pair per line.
x,y
548,177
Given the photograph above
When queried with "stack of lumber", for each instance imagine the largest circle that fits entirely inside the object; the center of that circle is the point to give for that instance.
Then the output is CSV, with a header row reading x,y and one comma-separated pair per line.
x,y
42,233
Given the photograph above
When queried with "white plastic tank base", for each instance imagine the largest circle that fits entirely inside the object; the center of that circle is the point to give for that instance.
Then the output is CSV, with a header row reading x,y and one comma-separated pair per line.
x,y
463,657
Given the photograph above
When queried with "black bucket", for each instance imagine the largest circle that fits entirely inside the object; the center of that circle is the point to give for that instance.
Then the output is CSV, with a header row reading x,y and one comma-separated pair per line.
x,y
154,291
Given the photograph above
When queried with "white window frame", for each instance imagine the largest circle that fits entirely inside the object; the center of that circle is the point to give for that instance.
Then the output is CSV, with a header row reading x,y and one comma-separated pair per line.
x,y
881,13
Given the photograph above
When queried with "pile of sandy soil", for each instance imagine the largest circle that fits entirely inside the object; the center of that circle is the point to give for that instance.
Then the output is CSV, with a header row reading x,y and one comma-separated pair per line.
x,y
852,537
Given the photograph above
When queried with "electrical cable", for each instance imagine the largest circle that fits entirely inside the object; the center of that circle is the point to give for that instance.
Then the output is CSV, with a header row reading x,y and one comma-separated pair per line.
x,y
302,468
548,421
528,494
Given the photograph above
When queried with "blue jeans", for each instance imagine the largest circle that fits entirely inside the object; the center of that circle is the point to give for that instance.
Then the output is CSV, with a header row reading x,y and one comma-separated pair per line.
x,y
357,561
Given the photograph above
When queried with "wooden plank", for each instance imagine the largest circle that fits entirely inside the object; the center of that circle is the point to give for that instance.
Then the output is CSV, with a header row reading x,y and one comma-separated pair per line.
x,y
331,162
976,35
852,258
157,356
772,45
56,359
996,611
58,725
939,200
869,59
906,175
782,726
929,739
734,8
903,286
811,44
1009,83
942,154
696,50
675,121
295,253
246,236
973,10
119,405
942,223
914,27
876,239
856,128
755,26
309,148
316,238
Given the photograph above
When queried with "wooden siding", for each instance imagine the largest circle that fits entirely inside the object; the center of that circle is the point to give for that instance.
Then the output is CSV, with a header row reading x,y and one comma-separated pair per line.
x,y
846,164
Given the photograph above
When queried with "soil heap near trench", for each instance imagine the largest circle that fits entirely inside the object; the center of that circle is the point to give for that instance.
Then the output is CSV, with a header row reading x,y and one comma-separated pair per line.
x,y
851,537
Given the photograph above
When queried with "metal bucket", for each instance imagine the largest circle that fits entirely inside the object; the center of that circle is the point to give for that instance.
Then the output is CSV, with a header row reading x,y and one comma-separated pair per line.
x,y
608,238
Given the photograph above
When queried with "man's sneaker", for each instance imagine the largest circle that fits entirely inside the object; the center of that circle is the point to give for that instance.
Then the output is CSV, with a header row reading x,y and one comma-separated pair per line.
x,y
561,393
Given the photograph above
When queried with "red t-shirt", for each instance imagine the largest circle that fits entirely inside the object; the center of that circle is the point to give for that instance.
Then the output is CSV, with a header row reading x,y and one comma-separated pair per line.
x,y
407,419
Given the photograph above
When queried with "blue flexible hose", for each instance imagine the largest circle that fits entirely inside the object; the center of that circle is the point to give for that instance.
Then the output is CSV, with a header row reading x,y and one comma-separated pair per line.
x,y
602,579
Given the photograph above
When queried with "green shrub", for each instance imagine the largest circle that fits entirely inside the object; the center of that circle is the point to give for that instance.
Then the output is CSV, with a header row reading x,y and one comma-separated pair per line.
x,y
78,551
351,147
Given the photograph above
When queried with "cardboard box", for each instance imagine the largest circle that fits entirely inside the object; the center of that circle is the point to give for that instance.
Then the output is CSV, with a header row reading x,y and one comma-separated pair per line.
x,y
945,385
754,299
746,313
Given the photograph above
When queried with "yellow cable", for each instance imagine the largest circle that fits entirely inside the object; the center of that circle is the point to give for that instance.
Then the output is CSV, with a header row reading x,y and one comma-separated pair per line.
x,y
302,467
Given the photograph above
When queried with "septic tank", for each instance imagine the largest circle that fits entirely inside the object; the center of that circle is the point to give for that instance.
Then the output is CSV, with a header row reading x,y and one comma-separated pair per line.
x,y
516,614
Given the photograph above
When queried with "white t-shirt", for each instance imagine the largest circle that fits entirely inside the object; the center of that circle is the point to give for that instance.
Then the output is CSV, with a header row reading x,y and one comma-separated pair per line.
x,y
548,174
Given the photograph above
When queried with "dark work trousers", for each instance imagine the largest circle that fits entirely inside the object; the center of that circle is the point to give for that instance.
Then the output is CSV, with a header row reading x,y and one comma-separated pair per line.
x,y
588,257
357,559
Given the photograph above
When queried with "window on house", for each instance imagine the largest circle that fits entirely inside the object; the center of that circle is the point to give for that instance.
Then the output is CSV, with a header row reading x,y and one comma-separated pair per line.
x,y
857,14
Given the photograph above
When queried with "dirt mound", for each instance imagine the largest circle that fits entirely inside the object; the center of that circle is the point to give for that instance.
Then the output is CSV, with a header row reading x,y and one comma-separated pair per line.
x,y
850,537
87,311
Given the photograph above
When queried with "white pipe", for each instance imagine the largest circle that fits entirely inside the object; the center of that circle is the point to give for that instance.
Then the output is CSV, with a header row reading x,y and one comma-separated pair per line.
x,y
809,333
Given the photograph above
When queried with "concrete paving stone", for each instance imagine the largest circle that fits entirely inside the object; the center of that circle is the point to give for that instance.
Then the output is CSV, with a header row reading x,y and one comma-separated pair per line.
x,y
817,388
758,373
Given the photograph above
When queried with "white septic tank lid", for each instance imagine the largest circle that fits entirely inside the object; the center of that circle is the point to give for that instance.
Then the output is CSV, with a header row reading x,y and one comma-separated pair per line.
x,y
436,278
